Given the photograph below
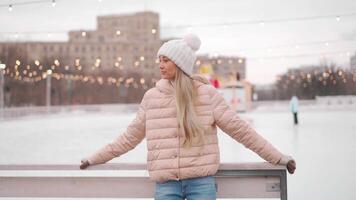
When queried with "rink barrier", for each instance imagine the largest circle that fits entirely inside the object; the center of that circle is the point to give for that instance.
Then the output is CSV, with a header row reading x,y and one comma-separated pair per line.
x,y
233,180
40,111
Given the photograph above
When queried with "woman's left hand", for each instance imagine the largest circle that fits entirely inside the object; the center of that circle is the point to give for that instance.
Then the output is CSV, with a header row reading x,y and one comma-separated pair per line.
x,y
291,166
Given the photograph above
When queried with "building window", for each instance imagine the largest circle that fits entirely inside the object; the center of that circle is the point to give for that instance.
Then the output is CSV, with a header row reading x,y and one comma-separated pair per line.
x,y
101,38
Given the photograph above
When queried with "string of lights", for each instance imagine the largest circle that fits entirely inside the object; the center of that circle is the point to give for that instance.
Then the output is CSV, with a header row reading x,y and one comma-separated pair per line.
x,y
261,22
37,72
321,54
325,43
90,79
242,51
12,5
267,21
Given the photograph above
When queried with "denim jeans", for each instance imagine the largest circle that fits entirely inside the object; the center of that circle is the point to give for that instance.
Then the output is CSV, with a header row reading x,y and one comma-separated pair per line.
x,y
200,188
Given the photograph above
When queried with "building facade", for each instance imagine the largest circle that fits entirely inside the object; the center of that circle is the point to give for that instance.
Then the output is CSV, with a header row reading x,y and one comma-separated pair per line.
x,y
126,42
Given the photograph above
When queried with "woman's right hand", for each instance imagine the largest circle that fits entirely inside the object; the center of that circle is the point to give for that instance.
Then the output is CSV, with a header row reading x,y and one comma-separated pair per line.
x,y
85,164
291,166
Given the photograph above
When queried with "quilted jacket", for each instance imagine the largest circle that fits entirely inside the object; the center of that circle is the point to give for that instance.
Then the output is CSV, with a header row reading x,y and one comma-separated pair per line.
x,y
166,158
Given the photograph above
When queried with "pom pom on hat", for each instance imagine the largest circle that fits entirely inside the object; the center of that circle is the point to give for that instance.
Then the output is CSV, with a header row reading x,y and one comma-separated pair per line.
x,y
193,41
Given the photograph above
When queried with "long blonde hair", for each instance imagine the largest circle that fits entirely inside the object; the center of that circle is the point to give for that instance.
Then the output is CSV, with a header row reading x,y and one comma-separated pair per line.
x,y
188,122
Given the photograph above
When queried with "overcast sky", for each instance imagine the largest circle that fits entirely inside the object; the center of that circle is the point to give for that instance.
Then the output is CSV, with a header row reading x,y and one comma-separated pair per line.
x,y
300,42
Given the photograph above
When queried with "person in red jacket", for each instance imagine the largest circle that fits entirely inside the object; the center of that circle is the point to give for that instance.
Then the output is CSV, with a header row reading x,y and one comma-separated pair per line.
x,y
215,81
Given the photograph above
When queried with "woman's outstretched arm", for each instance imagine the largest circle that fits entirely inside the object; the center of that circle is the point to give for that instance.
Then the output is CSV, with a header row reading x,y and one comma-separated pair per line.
x,y
229,122
125,142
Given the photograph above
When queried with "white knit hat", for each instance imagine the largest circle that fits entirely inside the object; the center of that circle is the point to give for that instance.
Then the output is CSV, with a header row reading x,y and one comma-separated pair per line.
x,y
182,52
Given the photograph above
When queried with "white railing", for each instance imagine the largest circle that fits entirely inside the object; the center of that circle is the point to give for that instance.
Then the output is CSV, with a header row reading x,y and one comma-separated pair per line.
x,y
234,180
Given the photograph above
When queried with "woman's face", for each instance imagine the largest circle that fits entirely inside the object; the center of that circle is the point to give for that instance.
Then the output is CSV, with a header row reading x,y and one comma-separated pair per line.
x,y
167,68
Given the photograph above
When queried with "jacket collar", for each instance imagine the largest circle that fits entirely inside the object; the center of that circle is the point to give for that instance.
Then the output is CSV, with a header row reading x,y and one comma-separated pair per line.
x,y
167,87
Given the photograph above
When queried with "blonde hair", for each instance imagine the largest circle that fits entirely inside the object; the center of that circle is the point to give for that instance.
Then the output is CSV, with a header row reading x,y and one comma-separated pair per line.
x,y
188,122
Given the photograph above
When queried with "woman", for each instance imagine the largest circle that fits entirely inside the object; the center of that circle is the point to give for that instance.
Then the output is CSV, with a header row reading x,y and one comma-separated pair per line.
x,y
179,118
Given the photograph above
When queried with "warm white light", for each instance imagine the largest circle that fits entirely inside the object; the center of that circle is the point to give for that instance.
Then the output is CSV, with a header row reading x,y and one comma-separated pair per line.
x,y
154,31
118,32
56,62
240,60
77,62
142,81
137,63
142,58
49,72
2,66
37,62
84,34
18,62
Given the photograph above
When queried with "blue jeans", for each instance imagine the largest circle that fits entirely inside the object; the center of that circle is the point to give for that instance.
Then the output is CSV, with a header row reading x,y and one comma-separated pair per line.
x,y
200,188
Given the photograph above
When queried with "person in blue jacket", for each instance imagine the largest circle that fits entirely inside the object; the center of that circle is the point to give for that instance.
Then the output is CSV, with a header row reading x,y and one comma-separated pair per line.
x,y
294,108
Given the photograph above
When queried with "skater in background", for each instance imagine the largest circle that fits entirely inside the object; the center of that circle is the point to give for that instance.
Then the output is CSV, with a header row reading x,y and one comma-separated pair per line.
x,y
294,108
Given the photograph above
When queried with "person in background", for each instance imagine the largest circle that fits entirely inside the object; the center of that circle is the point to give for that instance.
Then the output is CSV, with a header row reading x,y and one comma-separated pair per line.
x,y
179,119
294,108
215,81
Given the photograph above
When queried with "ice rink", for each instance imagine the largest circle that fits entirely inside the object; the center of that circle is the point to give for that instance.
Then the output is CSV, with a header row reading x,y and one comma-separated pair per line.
x,y
323,144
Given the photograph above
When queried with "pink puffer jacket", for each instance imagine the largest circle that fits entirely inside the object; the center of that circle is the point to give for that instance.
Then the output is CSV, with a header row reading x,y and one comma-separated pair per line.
x,y
167,159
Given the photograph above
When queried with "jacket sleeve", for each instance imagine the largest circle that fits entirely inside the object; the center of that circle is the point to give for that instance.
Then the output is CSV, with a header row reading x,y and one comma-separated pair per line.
x,y
229,122
125,142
